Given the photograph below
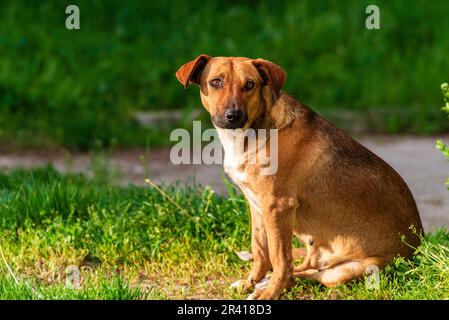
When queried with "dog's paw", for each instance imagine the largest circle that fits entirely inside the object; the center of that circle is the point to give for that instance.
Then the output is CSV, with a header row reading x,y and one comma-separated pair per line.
x,y
262,294
259,287
249,285
246,286
262,284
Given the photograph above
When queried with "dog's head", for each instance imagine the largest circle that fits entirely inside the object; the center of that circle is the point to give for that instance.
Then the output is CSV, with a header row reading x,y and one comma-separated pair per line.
x,y
236,91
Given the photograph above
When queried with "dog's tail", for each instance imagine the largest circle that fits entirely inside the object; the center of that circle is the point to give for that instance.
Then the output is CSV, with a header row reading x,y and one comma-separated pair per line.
x,y
296,252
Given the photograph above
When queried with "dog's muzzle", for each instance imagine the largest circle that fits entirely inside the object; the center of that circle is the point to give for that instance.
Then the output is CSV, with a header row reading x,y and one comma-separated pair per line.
x,y
231,119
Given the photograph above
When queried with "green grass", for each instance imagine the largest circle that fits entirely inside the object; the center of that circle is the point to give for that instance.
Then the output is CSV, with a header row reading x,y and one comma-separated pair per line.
x,y
81,88
146,243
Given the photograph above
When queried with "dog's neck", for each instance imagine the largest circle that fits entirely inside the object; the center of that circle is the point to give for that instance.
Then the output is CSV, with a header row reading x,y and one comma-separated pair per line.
x,y
278,114
281,114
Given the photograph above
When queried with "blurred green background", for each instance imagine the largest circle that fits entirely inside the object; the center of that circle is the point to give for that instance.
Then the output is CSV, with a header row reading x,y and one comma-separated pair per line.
x,y
82,88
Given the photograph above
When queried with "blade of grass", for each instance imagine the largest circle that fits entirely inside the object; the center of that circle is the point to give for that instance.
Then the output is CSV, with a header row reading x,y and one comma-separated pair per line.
x,y
8,267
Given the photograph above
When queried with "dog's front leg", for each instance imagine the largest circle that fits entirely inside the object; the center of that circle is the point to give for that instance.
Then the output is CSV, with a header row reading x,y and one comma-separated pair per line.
x,y
279,227
259,248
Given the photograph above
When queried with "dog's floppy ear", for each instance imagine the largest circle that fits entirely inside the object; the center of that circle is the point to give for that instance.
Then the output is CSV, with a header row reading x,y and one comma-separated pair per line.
x,y
191,71
271,74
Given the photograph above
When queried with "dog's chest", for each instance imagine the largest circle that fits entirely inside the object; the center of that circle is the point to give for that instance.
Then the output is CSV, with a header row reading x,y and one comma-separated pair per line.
x,y
236,167
240,178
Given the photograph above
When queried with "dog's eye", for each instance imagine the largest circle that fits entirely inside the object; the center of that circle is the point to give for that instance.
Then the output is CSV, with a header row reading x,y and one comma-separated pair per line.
x,y
215,83
249,86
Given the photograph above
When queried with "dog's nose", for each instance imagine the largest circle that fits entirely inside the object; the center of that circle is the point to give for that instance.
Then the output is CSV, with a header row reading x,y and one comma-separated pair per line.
x,y
233,116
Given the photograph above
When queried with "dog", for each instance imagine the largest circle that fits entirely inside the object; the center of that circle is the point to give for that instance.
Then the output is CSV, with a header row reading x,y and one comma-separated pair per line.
x,y
349,208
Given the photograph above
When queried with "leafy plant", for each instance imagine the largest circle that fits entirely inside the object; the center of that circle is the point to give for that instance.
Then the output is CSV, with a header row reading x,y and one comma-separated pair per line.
x,y
440,144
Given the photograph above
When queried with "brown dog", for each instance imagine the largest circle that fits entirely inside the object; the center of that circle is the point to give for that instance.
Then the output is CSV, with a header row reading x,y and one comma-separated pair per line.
x,y
349,207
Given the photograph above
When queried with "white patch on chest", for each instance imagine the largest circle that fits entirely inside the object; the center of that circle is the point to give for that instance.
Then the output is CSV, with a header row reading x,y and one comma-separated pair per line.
x,y
234,163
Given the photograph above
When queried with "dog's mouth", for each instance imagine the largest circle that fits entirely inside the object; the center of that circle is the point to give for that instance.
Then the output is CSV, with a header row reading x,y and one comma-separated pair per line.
x,y
222,123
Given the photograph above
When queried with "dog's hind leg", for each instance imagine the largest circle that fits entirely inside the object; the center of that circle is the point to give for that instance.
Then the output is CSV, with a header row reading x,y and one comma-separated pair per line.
x,y
343,272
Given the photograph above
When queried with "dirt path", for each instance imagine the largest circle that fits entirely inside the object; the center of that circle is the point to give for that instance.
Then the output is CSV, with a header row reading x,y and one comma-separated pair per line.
x,y
415,158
